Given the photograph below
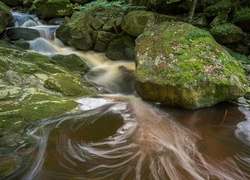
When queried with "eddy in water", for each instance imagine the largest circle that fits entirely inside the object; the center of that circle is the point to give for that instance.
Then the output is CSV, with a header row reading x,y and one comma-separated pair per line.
x,y
117,136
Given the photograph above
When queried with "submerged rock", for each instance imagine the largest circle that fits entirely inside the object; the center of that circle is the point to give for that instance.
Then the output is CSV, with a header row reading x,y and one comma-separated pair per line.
x,y
181,65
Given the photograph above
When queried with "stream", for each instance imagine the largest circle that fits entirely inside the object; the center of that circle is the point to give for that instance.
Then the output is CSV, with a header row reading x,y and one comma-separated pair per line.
x,y
116,135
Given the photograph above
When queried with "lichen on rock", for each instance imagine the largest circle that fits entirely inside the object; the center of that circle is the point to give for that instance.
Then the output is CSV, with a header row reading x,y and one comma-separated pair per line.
x,y
178,64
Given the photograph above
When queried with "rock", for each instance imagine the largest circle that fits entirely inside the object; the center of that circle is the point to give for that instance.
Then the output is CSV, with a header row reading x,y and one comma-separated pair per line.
x,y
135,22
103,39
66,84
221,7
22,44
91,29
52,9
72,62
242,19
227,33
22,33
32,89
5,15
178,64
219,20
121,49
76,32
12,2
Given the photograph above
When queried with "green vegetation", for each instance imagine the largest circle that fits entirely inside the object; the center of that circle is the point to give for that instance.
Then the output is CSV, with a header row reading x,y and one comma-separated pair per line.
x,y
105,4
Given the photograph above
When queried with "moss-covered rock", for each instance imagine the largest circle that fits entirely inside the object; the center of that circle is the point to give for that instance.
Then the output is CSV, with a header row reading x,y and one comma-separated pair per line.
x,y
5,15
121,49
227,33
75,31
71,62
135,22
32,88
89,29
181,65
242,19
221,7
52,8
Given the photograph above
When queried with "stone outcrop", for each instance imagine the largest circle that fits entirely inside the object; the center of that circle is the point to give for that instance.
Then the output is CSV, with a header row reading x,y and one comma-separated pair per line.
x,y
181,65
34,87
5,15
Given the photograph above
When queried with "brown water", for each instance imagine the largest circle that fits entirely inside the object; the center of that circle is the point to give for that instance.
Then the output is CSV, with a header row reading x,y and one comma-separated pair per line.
x,y
131,139
115,136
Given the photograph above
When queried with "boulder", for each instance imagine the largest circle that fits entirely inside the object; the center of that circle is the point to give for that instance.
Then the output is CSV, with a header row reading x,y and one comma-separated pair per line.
x,y
75,31
71,62
221,7
121,49
6,16
32,89
22,33
227,33
90,29
242,19
52,9
178,64
135,22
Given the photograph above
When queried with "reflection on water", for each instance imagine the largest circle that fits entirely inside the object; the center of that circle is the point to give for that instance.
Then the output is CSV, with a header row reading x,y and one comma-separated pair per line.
x,y
131,139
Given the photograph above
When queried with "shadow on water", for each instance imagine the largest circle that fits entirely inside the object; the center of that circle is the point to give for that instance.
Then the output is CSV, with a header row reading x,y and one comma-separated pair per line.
x,y
131,139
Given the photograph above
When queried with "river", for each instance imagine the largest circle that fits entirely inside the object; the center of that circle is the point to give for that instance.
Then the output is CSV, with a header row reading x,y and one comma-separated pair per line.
x,y
116,135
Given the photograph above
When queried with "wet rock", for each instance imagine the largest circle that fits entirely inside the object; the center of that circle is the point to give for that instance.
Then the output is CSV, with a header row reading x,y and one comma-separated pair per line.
x,y
22,44
103,39
227,33
24,96
72,62
5,15
66,85
180,65
75,31
22,33
121,49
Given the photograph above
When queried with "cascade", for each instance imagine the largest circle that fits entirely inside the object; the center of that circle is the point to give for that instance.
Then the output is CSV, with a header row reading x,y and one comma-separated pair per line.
x,y
118,136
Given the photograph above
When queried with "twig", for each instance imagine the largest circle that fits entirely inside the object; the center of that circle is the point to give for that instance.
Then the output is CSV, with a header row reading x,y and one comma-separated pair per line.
x,y
224,117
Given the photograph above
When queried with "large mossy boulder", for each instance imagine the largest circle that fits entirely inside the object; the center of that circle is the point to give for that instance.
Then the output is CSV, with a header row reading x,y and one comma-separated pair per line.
x,y
52,8
5,15
178,64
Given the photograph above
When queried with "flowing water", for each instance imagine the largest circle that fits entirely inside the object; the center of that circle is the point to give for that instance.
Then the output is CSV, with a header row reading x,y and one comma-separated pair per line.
x,y
116,135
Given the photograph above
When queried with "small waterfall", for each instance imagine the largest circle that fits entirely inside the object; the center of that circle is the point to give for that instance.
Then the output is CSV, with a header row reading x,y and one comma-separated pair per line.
x,y
118,136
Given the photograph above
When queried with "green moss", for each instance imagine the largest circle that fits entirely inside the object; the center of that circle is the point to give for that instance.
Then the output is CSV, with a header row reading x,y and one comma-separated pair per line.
x,y
243,15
